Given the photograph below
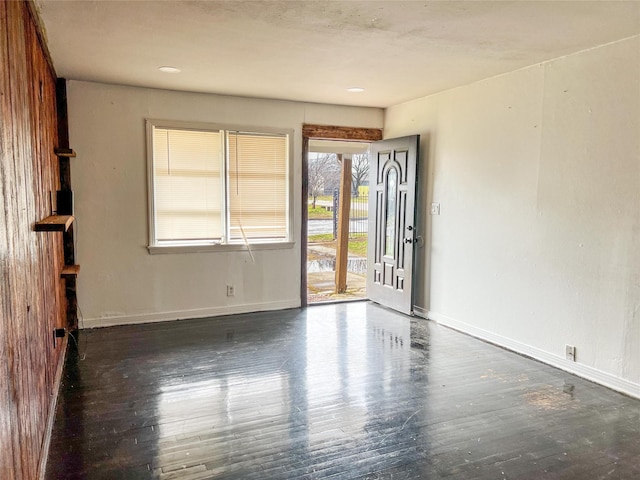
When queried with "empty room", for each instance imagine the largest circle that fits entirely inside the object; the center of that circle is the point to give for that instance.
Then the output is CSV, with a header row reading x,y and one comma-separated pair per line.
x,y
164,209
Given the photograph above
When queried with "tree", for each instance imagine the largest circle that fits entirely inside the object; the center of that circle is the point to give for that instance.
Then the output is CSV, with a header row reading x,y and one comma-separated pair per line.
x,y
359,170
324,170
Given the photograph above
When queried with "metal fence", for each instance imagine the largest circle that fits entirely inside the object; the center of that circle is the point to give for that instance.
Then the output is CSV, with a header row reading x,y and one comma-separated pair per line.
x,y
358,215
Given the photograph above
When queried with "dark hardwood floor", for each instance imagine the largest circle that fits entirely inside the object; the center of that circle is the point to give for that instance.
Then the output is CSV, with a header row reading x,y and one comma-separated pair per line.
x,y
350,391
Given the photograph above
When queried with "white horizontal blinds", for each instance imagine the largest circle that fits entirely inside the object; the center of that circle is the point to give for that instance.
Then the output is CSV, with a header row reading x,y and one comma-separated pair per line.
x,y
257,188
187,168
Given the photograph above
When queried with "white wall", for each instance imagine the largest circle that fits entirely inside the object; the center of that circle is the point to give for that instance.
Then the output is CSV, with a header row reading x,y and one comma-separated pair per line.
x,y
538,241
119,281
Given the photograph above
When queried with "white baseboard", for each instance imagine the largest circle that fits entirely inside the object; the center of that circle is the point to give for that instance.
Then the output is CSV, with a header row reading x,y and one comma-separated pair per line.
x,y
184,314
420,312
584,371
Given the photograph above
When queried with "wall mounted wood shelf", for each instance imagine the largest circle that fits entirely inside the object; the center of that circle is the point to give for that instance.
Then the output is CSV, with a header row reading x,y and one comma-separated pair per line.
x,y
64,152
70,271
54,223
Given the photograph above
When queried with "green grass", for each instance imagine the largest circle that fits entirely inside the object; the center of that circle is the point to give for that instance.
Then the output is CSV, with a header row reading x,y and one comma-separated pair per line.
x,y
358,246
319,213
320,238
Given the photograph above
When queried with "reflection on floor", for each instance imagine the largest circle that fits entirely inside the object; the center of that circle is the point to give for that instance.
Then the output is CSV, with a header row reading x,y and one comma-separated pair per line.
x,y
348,391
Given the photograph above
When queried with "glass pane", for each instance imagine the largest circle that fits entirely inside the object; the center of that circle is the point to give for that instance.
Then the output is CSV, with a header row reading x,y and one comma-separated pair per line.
x,y
258,182
187,170
390,212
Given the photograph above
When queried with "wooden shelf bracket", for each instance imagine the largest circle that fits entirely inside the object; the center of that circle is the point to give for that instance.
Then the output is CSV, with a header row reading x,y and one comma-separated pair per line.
x,y
70,271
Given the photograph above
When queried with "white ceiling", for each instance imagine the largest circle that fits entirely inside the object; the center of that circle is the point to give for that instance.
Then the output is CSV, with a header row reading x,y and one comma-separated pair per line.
x,y
314,50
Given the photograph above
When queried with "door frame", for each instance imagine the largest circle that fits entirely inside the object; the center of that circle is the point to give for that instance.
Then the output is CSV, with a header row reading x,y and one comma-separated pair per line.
x,y
322,132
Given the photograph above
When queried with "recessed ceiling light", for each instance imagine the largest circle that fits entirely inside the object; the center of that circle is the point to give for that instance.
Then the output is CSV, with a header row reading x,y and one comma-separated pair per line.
x,y
168,69
355,89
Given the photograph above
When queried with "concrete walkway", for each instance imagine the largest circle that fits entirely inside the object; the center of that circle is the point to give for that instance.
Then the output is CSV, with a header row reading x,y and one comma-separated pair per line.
x,y
321,286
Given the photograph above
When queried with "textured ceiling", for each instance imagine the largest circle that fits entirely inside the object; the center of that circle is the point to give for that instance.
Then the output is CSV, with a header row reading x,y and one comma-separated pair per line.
x,y
314,50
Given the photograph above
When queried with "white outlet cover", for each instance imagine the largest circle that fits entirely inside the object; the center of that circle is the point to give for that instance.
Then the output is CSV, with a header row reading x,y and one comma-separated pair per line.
x,y
570,352
435,208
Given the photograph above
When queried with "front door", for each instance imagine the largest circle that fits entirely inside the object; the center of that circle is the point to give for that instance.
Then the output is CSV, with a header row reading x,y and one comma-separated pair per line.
x,y
392,192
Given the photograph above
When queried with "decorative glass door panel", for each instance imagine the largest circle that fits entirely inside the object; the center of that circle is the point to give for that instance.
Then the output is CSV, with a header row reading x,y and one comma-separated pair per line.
x,y
392,192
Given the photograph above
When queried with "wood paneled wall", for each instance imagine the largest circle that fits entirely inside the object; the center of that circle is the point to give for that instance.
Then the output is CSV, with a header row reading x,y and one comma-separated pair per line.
x,y
32,301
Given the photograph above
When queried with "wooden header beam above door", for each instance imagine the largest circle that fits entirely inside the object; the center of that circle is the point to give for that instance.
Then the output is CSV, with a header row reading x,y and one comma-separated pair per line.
x,y
330,132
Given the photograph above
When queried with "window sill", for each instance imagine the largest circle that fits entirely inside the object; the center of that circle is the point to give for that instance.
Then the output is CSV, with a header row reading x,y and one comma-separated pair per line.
x,y
239,247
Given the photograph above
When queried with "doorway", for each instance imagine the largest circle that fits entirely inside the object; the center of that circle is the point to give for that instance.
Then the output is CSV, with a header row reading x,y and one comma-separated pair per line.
x,y
329,164
320,281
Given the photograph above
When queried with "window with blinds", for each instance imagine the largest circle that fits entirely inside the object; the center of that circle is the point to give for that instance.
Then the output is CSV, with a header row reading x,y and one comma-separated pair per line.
x,y
187,173
218,186
257,186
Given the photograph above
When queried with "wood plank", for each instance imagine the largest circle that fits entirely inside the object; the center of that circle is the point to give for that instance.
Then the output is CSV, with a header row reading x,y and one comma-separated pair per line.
x,y
36,21
31,305
9,435
331,132
30,285
24,357
65,152
344,209
41,166
54,223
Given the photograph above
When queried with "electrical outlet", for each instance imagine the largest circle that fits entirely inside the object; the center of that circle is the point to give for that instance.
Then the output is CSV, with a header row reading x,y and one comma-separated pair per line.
x,y
570,352
58,333
231,291
435,208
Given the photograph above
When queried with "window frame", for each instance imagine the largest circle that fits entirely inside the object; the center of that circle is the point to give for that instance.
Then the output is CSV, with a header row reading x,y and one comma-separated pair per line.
x,y
154,247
